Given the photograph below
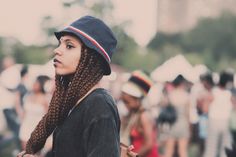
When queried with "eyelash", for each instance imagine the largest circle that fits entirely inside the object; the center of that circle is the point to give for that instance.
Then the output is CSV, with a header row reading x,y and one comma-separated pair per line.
x,y
68,46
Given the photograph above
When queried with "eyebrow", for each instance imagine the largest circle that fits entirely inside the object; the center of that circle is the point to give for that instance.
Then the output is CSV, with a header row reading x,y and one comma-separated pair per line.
x,y
66,40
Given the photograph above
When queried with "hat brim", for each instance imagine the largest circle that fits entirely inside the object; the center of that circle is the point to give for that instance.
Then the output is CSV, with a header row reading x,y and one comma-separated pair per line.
x,y
132,89
88,43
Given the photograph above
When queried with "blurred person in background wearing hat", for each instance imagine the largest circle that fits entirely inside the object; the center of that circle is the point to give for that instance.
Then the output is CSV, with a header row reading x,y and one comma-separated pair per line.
x,y
138,127
83,116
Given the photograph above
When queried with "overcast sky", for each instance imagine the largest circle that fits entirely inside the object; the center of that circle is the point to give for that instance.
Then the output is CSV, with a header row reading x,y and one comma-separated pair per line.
x,y
22,18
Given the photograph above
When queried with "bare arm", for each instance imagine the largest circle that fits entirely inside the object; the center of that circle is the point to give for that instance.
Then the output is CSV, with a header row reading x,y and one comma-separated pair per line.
x,y
147,126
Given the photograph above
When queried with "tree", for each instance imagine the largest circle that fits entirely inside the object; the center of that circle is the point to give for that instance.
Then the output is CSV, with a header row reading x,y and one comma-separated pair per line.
x,y
161,39
125,46
218,35
212,38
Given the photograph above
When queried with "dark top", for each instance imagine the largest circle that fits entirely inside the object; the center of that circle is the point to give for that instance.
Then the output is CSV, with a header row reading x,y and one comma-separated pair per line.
x,y
22,90
91,129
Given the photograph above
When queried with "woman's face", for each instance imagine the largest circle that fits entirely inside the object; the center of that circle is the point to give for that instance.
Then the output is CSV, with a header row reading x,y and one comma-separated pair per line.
x,y
36,86
132,103
67,55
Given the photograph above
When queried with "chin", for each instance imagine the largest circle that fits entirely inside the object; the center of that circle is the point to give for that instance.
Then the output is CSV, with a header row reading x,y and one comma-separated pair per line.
x,y
63,72
60,72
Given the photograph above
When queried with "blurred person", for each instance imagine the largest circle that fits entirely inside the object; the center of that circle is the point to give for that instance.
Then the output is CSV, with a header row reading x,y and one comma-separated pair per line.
x,y
7,62
204,99
9,79
179,132
82,116
21,91
231,152
138,127
232,121
35,106
218,135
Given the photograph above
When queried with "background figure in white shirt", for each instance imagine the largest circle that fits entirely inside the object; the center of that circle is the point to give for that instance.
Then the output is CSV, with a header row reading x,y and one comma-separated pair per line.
x,y
219,112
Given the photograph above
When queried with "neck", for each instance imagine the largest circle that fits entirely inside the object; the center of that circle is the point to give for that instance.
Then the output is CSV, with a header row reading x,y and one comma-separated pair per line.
x,y
93,88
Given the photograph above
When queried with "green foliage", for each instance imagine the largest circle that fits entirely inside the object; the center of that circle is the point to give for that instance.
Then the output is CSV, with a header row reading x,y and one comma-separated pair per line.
x,y
48,26
140,59
218,35
1,49
30,54
213,41
22,53
125,45
102,8
161,39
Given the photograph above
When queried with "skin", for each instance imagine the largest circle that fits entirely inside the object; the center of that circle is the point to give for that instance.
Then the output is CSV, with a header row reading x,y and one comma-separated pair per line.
x,y
37,97
134,104
182,142
67,56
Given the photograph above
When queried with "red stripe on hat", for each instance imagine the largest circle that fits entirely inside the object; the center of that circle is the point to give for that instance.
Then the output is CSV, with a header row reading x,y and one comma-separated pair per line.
x,y
92,40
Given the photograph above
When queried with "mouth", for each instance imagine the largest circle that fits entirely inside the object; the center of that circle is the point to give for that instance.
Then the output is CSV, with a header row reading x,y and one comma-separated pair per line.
x,y
56,62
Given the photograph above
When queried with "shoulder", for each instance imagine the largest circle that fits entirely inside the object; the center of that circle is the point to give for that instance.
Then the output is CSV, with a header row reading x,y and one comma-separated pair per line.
x,y
99,98
99,94
100,103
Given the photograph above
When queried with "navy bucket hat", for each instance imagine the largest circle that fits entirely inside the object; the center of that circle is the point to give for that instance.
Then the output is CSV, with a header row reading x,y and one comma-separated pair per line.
x,y
95,34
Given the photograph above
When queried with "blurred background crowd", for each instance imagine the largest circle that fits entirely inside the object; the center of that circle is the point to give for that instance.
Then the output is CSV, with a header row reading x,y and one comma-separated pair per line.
x,y
188,62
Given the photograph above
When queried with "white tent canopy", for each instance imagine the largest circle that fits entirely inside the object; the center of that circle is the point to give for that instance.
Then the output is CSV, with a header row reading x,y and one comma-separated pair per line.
x,y
175,66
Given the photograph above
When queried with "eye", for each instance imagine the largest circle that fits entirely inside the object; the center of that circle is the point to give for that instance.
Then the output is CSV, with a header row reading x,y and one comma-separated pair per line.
x,y
69,46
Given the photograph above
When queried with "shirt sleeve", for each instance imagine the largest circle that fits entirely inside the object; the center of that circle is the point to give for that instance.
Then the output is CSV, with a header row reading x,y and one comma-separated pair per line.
x,y
102,138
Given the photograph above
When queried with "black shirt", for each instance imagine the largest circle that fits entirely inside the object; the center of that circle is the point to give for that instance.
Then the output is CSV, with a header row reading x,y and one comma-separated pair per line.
x,y
91,129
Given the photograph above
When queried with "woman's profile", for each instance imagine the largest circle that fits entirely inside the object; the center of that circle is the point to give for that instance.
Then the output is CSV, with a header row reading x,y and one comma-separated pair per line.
x,y
82,116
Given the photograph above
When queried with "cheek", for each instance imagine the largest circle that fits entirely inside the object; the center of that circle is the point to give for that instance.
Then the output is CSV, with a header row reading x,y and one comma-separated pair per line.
x,y
70,65
130,105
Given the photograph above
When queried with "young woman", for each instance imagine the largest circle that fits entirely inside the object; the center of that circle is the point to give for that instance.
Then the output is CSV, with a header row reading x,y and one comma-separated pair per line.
x,y
83,117
138,127
179,132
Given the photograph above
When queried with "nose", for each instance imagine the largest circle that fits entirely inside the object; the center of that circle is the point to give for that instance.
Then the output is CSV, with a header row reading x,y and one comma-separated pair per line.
x,y
57,51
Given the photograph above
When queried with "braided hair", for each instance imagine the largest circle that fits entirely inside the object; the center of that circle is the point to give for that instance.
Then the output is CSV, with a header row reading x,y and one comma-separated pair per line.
x,y
69,89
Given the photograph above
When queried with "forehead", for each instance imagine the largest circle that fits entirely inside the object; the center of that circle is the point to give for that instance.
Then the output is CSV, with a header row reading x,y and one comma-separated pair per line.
x,y
68,37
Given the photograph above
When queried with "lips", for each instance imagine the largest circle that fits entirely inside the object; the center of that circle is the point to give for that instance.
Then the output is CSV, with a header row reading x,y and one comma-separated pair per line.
x,y
56,62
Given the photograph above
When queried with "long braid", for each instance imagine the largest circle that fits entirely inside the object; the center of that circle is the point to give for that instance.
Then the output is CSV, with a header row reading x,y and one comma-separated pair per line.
x,y
88,73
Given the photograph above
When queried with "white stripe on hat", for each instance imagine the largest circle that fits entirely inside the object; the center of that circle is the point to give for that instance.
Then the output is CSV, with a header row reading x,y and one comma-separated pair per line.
x,y
92,40
132,89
